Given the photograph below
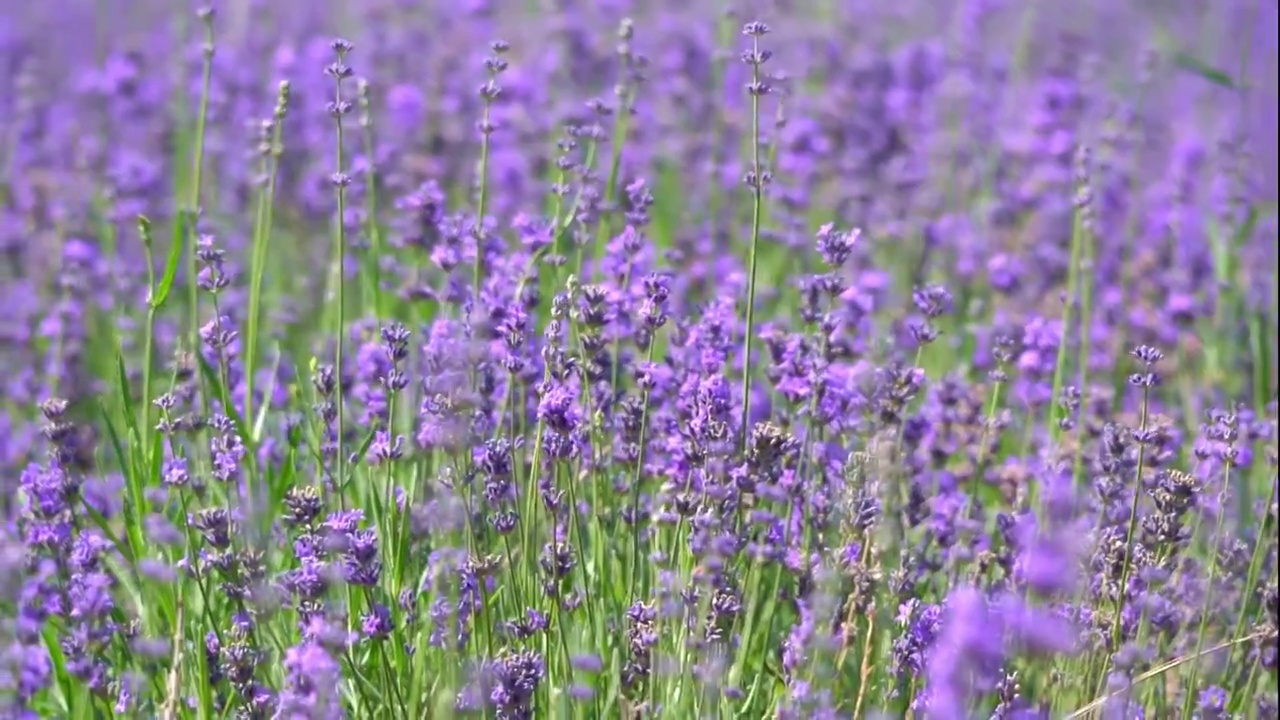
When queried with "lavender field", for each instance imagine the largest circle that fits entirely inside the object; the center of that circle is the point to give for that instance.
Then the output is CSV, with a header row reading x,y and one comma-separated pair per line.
x,y
401,359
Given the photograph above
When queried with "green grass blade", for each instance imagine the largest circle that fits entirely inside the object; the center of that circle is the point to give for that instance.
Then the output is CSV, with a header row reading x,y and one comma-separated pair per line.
x,y
176,244
1187,62
126,397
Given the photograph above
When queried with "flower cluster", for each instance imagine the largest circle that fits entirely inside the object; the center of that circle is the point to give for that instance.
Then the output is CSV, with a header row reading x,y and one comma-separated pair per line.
x,y
870,361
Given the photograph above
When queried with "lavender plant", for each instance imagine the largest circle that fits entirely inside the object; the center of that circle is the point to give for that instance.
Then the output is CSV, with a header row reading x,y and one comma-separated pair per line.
x,y
512,360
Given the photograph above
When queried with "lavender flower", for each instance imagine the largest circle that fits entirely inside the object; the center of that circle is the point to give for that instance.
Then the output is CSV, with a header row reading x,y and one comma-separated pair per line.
x,y
920,374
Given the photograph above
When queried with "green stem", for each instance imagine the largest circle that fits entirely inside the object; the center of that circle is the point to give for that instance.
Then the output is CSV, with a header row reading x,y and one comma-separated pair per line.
x,y
1206,609
1121,591
193,200
718,70
372,228
481,201
571,217
339,249
144,229
529,518
980,468
1262,545
1086,310
1249,685
1060,366
757,204
1132,220
261,241
635,482
620,125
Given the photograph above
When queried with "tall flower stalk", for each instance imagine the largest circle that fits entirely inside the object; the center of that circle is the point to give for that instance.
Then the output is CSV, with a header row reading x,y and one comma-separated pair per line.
x,y
338,109
495,64
756,179
451,423
190,218
1145,380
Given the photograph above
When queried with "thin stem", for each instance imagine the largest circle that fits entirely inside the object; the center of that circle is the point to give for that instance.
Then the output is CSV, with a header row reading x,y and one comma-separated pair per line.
x,y
372,228
1086,311
224,361
1073,289
1260,549
636,479
339,248
770,599
865,671
1251,683
621,125
615,166
1209,594
588,165
1157,672
482,197
193,200
144,229
1121,591
757,185
261,241
529,517
1133,218
983,454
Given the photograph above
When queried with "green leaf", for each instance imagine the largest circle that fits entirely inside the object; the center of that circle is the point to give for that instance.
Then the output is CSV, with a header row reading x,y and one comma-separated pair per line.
x,y
59,662
134,528
176,244
360,454
127,579
130,411
261,419
1194,65
125,549
121,458
279,482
